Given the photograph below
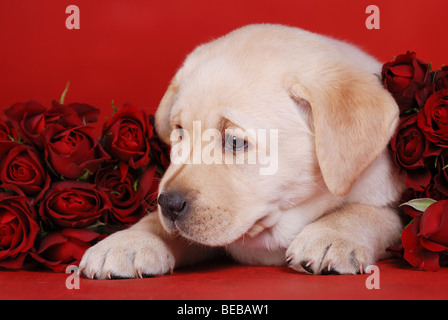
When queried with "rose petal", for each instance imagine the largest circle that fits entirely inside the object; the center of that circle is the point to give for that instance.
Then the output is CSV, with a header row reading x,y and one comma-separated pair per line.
x,y
414,253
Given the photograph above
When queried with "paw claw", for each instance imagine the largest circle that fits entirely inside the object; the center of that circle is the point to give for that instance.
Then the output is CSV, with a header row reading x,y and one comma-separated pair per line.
x,y
329,271
360,268
307,266
315,252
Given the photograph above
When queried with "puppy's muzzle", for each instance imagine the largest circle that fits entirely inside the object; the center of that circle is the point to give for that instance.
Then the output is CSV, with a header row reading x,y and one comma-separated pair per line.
x,y
173,205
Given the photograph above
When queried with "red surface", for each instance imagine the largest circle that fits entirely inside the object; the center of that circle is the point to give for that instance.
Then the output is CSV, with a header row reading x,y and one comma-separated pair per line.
x,y
230,281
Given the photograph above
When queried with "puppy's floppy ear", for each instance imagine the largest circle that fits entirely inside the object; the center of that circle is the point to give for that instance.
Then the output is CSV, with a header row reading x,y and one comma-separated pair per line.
x,y
163,113
354,118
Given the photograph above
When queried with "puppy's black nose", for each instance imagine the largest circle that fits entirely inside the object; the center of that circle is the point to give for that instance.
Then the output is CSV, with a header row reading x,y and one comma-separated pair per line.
x,y
173,204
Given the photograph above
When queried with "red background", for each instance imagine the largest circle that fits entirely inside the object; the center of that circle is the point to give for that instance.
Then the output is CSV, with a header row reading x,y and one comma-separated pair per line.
x,y
127,51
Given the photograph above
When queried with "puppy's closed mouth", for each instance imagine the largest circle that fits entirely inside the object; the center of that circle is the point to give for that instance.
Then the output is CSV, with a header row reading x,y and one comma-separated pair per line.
x,y
211,226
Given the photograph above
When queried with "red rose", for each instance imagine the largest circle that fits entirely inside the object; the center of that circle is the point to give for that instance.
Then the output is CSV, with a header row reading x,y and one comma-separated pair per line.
x,y
7,133
72,151
28,119
121,186
80,113
425,240
31,119
160,151
126,136
410,150
404,77
73,204
441,78
433,119
18,230
21,165
409,144
441,178
60,249
149,185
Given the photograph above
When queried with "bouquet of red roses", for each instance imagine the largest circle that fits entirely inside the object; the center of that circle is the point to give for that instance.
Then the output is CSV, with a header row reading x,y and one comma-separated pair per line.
x,y
62,189
420,150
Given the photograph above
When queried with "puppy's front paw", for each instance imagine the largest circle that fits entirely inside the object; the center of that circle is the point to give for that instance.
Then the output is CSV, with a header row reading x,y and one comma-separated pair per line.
x,y
323,251
127,254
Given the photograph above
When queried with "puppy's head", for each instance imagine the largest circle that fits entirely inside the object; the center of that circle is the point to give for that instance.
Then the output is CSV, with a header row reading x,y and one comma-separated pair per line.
x,y
263,120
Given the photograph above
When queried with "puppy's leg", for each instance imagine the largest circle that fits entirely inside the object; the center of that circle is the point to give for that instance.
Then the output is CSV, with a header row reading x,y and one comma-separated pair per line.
x,y
345,241
144,249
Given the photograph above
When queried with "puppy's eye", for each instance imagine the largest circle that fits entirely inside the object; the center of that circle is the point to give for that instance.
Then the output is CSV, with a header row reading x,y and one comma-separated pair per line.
x,y
234,144
180,131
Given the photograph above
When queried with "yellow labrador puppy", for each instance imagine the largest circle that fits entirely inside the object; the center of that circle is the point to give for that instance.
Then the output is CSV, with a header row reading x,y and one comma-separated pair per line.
x,y
317,111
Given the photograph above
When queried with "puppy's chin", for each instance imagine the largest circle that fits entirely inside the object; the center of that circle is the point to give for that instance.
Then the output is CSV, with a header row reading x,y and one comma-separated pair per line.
x,y
206,230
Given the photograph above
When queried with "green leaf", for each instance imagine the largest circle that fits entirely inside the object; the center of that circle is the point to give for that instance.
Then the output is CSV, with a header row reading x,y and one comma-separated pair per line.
x,y
419,204
412,110
6,190
434,73
411,222
103,228
19,140
43,231
85,176
445,167
61,101
136,184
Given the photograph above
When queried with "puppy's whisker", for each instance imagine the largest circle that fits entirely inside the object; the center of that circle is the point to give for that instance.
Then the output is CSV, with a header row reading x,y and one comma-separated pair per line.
x,y
150,199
